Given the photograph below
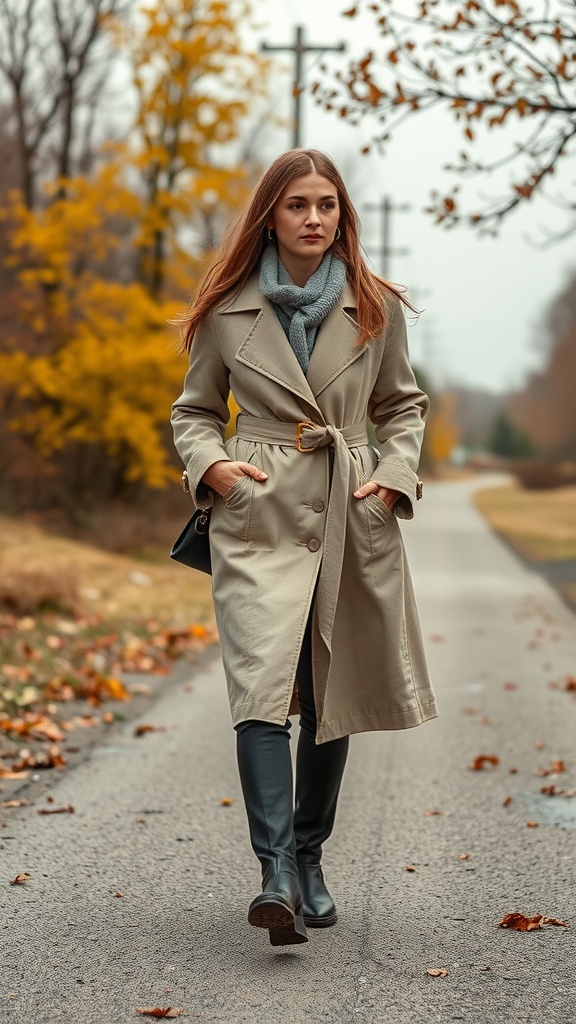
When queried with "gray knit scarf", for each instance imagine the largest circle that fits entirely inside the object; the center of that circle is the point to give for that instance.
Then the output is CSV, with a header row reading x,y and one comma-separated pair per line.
x,y
301,310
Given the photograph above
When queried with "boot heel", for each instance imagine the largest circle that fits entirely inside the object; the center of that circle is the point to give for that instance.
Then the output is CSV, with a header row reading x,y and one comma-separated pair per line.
x,y
289,936
285,928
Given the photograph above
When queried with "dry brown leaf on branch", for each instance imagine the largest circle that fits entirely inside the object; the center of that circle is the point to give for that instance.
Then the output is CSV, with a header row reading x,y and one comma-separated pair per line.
x,y
169,1011
521,923
141,730
437,972
480,762
69,809
20,879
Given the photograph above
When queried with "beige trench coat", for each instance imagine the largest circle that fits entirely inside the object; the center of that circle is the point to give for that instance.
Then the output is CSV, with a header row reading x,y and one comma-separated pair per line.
x,y
301,537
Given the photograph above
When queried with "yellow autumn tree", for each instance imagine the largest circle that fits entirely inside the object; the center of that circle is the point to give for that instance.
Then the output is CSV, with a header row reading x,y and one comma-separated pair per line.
x,y
195,84
441,430
91,365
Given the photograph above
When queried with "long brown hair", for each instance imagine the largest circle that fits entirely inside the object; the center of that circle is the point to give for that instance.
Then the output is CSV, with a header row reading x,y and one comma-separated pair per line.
x,y
242,245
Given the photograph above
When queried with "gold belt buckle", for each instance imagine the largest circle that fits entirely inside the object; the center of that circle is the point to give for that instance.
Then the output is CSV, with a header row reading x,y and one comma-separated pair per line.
x,y
299,428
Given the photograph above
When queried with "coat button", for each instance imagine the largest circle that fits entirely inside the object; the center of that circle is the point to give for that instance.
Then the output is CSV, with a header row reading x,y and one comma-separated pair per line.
x,y
313,544
318,506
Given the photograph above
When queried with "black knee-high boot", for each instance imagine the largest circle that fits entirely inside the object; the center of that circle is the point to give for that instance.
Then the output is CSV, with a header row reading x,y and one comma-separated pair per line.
x,y
319,770
265,771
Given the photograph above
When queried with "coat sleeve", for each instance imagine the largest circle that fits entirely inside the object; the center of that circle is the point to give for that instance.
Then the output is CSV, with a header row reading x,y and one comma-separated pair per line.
x,y
397,408
200,414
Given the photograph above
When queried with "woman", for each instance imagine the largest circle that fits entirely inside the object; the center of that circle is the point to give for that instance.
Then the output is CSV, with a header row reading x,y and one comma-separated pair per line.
x,y
312,593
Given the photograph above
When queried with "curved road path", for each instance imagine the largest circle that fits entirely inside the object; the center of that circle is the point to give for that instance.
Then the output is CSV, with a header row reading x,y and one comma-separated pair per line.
x,y
149,825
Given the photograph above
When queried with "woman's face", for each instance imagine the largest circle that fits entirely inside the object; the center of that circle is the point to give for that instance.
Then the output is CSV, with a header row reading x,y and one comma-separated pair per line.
x,y
305,218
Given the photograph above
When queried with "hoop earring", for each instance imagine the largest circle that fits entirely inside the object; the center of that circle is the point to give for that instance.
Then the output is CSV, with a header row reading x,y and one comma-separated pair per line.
x,y
337,235
270,234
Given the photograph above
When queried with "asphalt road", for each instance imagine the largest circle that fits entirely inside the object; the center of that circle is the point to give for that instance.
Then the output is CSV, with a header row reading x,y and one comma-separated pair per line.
x,y
149,825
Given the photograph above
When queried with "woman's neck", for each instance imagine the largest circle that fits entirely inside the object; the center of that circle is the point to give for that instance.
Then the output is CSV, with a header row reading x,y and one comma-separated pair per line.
x,y
300,270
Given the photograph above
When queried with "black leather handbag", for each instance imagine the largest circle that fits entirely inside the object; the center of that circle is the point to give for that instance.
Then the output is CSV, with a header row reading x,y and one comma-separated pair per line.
x,y
192,547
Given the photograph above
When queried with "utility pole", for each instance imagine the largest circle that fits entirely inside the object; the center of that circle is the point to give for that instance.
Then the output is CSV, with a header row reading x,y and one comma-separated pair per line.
x,y
385,208
299,48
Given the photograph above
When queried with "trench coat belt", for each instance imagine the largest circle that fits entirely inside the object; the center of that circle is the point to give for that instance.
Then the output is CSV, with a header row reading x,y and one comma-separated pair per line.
x,y
307,437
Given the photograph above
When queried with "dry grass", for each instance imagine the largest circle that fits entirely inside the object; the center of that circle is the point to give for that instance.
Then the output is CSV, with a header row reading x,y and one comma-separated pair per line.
x,y
39,570
541,525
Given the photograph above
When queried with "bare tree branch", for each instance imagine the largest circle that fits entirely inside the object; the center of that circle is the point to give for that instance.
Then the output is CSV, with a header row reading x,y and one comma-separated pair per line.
x,y
489,64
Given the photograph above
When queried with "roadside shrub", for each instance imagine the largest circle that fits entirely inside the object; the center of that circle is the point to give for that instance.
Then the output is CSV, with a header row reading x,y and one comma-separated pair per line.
x,y
27,590
537,474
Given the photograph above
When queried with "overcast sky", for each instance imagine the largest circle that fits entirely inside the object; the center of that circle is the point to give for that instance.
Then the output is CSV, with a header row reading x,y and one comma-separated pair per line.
x,y
484,298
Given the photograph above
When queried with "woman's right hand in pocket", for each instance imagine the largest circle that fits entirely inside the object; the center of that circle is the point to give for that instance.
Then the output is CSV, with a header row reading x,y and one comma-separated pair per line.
x,y
221,476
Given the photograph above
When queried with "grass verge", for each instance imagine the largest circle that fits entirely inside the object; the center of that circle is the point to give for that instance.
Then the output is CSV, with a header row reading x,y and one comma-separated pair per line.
x,y
75,623
541,525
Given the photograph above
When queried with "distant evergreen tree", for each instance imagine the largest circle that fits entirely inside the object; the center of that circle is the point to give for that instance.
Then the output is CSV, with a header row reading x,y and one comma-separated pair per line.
x,y
507,440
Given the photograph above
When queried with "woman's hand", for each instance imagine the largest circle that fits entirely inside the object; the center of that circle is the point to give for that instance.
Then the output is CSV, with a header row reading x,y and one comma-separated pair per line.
x,y
386,494
221,476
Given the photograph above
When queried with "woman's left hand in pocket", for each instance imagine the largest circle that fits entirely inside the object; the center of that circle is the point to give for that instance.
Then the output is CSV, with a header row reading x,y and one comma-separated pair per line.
x,y
386,494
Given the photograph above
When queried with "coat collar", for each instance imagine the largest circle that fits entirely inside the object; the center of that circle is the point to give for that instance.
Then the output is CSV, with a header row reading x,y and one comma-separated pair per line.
x,y
267,350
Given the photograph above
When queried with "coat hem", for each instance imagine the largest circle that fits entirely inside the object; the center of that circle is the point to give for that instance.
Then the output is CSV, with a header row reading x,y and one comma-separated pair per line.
x,y
388,721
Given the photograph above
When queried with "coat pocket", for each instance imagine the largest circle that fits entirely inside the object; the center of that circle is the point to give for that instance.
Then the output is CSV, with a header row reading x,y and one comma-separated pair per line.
x,y
239,493
378,507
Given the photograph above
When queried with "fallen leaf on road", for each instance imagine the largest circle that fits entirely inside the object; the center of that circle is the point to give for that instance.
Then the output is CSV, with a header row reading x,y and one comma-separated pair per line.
x,y
170,1011
56,810
469,711
13,803
437,972
463,856
539,745
480,762
485,968
50,757
510,686
117,894
513,771
521,923
141,730
570,684
226,801
506,801
9,773
553,790
531,824
437,638
556,768
410,867
140,821
20,879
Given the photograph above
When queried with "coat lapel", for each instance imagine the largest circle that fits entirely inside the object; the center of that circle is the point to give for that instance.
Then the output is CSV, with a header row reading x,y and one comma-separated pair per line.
x,y
336,345
266,348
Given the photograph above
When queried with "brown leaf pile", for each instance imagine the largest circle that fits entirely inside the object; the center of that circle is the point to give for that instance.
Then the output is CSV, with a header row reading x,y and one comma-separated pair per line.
x,y
48,659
